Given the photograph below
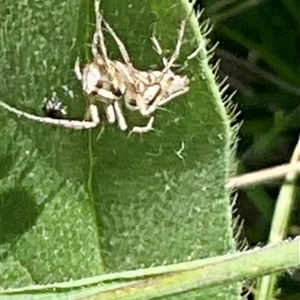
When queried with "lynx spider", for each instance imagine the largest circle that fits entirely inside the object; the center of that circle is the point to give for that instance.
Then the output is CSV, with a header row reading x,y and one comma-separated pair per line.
x,y
108,81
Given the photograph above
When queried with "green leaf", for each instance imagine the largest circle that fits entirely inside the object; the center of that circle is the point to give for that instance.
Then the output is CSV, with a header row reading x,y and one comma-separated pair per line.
x,y
98,202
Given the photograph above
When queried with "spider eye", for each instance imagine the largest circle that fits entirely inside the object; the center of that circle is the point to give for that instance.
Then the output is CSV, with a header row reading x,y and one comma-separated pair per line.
x,y
117,92
132,102
94,93
99,84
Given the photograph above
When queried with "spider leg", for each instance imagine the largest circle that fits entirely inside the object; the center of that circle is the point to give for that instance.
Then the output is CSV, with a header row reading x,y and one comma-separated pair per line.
x,y
125,70
143,129
176,52
120,116
92,114
77,69
106,95
98,45
168,99
99,49
120,44
195,53
71,124
110,113
140,103
158,50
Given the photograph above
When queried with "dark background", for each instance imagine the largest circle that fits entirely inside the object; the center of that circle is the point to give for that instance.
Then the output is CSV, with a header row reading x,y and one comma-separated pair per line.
x,y
259,49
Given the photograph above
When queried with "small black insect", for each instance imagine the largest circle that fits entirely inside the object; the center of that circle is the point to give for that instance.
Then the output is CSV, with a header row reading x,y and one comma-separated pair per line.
x,y
52,108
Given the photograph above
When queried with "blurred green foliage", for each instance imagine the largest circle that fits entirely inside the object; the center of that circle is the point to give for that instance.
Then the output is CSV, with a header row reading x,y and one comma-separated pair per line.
x,y
259,51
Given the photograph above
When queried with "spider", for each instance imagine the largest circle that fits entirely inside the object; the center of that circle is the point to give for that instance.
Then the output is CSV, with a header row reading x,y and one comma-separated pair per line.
x,y
113,81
